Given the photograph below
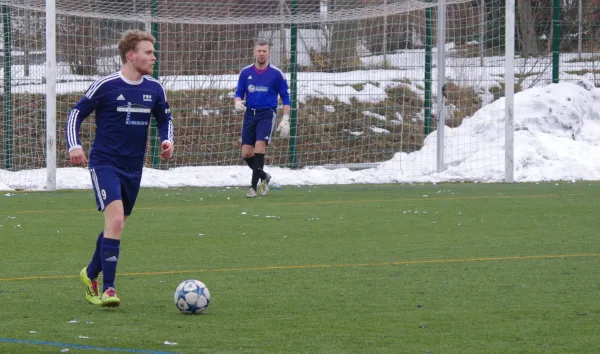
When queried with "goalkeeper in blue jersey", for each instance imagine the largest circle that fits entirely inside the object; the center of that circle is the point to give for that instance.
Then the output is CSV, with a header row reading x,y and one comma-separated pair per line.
x,y
260,84
124,103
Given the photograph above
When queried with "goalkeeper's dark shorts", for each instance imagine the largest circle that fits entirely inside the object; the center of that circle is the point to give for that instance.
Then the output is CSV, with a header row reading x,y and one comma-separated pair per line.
x,y
258,125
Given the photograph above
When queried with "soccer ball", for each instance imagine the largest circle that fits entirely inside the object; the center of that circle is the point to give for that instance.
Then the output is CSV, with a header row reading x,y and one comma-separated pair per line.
x,y
191,296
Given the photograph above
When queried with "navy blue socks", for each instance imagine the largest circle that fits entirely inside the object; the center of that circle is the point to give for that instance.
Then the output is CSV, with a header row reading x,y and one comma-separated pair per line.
x,y
95,266
109,254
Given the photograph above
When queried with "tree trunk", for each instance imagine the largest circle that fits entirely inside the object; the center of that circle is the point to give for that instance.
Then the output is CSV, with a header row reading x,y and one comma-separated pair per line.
x,y
591,10
528,36
344,39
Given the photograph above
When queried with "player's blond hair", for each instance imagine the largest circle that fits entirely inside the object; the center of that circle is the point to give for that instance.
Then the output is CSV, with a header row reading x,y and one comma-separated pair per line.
x,y
130,40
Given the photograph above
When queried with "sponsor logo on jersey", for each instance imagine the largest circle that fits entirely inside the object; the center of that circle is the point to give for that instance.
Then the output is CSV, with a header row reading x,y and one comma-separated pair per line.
x,y
135,108
147,98
252,88
121,98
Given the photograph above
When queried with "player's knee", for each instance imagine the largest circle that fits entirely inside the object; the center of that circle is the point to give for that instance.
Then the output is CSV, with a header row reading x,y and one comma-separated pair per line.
x,y
116,224
261,147
247,155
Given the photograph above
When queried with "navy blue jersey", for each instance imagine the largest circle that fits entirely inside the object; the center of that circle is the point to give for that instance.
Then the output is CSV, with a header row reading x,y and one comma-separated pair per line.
x,y
261,87
123,112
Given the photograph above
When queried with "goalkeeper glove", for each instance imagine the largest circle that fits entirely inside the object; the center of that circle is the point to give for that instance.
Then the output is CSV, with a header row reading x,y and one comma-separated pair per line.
x,y
284,127
239,106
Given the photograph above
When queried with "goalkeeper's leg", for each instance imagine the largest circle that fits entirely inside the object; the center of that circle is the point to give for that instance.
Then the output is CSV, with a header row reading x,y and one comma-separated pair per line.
x,y
248,156
249,129
250,161
259,164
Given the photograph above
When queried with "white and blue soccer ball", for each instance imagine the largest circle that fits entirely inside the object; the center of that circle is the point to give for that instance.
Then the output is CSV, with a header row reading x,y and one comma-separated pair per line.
x,y
191,296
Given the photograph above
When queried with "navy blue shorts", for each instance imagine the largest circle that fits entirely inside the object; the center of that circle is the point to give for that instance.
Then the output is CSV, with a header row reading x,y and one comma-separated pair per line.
x,y
258,125
110,184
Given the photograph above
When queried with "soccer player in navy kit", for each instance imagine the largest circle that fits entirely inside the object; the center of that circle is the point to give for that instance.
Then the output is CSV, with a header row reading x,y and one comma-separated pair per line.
x,y
261,83
123,102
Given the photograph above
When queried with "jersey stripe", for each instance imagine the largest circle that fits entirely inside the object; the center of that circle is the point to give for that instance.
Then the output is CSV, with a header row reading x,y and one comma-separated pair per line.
x,y
97,188
96,85
71,126
170,135
246,67
97,82
276,68
273,122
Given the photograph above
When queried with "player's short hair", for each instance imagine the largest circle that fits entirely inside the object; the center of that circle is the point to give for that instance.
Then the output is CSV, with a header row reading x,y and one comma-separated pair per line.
x,y
130,40
261,42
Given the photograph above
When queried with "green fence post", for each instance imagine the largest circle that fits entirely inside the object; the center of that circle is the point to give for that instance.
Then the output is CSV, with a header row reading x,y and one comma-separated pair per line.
x,y
428,56
555,40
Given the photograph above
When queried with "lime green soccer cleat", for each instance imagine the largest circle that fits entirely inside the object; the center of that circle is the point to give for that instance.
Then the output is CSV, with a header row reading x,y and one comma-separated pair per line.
x,y
91,288
110,299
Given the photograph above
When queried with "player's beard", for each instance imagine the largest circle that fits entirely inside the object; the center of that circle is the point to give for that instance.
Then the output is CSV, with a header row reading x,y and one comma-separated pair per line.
x,y
147,69
261,61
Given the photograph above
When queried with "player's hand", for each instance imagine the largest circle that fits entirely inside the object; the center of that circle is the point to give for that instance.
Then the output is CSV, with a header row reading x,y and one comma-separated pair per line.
x,y
284,127
78,157
239,106
167,150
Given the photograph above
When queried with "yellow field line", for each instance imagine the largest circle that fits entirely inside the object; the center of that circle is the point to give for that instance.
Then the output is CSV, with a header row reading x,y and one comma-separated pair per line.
x,y
15,212
319,266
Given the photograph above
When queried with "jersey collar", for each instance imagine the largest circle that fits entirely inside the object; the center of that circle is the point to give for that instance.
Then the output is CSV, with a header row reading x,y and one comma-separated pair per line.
x,y
261,71
129,81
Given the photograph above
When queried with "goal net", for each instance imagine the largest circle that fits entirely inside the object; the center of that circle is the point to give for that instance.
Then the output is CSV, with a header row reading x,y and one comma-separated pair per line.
x,y
364,79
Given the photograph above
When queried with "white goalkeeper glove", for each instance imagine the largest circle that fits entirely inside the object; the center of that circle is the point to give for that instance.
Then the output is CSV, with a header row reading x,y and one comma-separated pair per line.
x,y
284,127
239,106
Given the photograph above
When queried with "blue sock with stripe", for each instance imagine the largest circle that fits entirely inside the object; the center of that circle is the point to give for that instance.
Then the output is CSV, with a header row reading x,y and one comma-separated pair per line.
x,y
109,253
95,266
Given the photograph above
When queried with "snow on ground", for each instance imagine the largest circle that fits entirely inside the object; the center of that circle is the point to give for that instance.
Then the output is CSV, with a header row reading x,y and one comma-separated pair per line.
x,y
556,137
557,126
